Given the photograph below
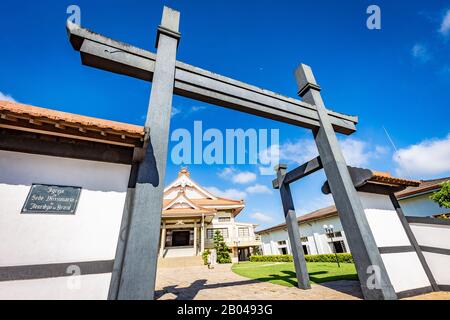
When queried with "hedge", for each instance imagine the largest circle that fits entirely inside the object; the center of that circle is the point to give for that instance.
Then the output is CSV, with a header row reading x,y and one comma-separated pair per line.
x,y
343,257
272,258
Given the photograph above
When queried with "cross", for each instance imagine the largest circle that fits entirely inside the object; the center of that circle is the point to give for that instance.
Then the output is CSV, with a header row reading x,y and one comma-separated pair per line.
x,y
137,249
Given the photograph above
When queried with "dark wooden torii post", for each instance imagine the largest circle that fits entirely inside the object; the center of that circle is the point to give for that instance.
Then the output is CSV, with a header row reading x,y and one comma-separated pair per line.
x,y
137,250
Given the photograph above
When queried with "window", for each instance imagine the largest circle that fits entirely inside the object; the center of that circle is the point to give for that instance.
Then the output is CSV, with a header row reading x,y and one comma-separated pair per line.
x,y
339,247
282,243
305,249
243,232
304,239
210,232
224,219
334,234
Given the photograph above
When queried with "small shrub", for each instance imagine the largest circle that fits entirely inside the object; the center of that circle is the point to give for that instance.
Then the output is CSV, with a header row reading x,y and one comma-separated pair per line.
x,y
222,250
205,256
342,257
224,260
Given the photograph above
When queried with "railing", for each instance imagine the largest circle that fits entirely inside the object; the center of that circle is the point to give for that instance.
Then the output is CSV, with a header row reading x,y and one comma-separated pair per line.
x,y
241,240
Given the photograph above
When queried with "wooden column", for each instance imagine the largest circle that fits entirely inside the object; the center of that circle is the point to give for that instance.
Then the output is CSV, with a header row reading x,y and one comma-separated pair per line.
x,y
202,235
195,238
163,240
141,253
351,213
298,256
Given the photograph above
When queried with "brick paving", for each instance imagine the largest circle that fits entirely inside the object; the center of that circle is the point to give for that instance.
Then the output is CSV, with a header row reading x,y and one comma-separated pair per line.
x,y
200,283
220,283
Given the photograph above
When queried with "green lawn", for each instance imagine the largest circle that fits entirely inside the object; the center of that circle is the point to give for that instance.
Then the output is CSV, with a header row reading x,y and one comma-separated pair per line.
x,y
284,273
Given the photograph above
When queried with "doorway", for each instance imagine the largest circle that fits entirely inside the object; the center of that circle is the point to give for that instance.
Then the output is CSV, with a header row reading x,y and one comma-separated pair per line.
x,y
180,238
243,254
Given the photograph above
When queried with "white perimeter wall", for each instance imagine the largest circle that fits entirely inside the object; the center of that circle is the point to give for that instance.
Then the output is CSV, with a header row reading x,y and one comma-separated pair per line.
x,y
437,237
317,242
421,206
404,269
89,235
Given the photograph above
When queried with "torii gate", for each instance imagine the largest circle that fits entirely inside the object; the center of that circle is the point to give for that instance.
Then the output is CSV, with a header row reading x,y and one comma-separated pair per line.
x,y
135,263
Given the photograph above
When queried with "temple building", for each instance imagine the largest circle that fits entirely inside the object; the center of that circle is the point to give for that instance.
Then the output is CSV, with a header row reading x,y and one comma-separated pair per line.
x,y
191,215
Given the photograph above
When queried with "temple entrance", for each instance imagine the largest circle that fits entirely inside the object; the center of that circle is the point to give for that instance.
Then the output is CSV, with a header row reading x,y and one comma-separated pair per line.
x,y
180,238
243,254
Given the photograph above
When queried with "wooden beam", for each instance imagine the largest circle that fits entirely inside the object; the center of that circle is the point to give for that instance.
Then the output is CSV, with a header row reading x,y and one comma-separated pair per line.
x,y
300,172
65,147
298,256
76,132
192,82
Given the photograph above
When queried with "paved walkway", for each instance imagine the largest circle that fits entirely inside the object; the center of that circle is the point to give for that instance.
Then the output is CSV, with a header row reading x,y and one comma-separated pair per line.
x,y
200,283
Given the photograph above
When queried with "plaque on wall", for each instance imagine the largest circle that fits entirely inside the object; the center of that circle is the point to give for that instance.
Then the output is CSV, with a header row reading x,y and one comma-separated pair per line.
x,y
52,199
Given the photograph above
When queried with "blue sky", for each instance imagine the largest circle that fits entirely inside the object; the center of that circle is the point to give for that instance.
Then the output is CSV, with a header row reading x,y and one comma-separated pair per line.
x,y
397,78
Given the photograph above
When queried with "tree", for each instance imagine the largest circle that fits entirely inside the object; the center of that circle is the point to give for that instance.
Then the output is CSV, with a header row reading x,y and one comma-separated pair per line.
x,y
442,197
222,250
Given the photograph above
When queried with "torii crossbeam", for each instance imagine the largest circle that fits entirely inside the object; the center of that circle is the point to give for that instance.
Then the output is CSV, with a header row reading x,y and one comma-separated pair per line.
x,y
137,250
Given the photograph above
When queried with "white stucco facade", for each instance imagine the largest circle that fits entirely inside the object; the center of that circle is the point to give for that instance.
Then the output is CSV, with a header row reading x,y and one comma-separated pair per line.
x,y
36,239
421,206
314,239
389,232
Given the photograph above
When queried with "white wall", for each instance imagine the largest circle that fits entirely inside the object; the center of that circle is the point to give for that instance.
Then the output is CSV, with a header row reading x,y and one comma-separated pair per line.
x,y
232,226
317,243
404,269
89,235
435,236
421,206
388,231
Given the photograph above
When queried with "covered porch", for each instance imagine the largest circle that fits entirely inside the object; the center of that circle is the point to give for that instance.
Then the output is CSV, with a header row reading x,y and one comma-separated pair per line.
x,y
183,235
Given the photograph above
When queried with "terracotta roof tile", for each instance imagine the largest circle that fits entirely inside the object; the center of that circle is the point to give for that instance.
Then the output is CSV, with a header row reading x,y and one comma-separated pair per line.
x,y
69,118
424,186
385,177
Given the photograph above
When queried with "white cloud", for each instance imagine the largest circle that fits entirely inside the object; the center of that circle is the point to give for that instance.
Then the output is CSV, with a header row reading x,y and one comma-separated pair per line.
x,y
6,97
356,152
426,159
261,217
445,24
226,173
244,177
197,108
420,52
258,188
236,176
231,193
